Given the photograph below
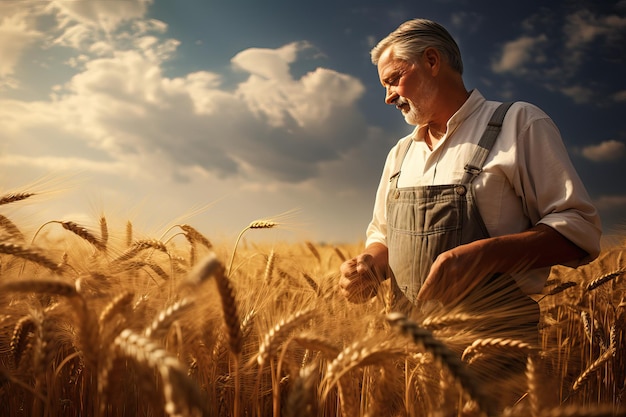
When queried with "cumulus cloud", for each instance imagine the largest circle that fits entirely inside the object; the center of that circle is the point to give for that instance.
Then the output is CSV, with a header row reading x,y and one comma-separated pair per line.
x,y
17,33
121,107
107,15
516,54
539,55
609,150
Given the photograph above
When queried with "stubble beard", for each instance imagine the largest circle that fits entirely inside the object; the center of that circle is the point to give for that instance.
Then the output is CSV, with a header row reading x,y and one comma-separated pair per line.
x,y
411,116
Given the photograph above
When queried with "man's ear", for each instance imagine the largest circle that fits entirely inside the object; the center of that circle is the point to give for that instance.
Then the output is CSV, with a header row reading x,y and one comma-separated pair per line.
x,y
432,58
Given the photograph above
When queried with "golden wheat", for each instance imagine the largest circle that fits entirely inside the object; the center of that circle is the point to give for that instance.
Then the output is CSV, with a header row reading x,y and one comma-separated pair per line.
x,y
89,335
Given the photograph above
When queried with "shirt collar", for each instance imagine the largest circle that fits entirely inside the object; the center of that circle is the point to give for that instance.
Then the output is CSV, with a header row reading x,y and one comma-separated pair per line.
x,y
473,103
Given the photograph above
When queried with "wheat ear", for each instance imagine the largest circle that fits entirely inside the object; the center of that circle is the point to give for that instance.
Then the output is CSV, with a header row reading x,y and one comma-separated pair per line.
x,y
141,245
533,389
278,333
269,267
591,369
13,197
498,344
117,305
166,317
24,327
439,322
28,254
256,224
446,358
46,286
129,234
104,232
11,228
603,279
313,251
194,235
559,289
340,254
358,354
78,230
180,392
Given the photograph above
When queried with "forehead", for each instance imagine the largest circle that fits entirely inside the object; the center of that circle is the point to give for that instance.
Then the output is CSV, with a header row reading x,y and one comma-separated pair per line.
x,y
389,64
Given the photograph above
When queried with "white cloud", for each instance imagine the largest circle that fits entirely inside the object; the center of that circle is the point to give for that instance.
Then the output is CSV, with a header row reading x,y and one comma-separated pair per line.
x,y
268,63
518,53
579,93
107,15
123,122
583,27
17,33
609,150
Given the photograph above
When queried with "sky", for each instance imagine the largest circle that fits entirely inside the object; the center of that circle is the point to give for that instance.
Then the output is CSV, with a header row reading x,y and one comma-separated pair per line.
x,y
219,113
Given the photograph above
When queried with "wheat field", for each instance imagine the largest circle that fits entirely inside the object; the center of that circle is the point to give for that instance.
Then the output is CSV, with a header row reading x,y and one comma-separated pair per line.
x,y
99,322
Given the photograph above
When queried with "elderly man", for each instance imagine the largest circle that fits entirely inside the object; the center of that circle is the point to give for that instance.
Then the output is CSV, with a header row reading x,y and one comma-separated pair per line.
x,y
478,195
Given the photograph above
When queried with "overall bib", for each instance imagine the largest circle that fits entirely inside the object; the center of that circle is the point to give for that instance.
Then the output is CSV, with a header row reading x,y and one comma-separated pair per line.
x,y
424,221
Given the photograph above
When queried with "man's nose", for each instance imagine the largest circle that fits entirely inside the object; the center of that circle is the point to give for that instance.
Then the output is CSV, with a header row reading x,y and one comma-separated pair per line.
x,y
391,96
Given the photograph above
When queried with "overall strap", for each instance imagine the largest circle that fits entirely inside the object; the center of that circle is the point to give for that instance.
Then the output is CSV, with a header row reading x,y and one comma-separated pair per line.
x,y
402,151
475,165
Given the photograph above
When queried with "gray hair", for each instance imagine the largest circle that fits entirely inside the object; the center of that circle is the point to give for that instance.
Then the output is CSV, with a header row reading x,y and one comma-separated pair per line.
x,y
413,37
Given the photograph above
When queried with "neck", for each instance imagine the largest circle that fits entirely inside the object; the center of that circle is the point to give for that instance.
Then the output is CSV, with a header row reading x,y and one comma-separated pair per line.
x,y
454,100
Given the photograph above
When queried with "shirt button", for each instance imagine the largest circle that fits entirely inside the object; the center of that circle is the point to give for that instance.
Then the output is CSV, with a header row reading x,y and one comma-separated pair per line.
x,y
460,190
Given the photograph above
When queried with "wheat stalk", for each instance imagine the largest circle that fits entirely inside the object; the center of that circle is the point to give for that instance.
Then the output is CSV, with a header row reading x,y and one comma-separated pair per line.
x,y
256,224
446,358
78,230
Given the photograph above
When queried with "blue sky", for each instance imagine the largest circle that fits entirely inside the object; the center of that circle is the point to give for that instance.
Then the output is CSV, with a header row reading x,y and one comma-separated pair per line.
x,y
219,113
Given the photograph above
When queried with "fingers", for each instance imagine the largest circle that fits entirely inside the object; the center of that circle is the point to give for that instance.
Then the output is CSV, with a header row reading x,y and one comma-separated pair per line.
x,y
357,281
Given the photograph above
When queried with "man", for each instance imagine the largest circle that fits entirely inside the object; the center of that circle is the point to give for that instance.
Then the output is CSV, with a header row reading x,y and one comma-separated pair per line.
x,y
453,214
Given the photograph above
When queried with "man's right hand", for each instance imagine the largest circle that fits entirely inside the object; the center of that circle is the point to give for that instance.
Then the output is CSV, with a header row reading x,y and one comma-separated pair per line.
x,y
360,277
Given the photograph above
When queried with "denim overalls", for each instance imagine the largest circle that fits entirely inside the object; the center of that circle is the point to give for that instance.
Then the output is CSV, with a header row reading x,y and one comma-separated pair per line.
x,y
424,221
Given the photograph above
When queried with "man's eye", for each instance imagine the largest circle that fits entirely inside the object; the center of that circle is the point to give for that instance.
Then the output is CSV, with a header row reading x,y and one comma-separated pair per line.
x,y
394,80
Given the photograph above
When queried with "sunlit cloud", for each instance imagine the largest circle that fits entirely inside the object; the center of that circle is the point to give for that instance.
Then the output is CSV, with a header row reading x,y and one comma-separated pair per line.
x,y
609,150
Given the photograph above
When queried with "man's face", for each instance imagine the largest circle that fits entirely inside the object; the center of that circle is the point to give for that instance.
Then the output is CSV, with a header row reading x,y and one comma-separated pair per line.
x,y
407,86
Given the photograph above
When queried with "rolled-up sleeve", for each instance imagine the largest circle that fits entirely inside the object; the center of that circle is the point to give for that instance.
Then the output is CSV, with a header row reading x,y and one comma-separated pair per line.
x,y
551,189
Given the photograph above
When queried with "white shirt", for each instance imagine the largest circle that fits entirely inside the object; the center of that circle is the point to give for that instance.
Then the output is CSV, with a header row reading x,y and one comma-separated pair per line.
x,y
528,177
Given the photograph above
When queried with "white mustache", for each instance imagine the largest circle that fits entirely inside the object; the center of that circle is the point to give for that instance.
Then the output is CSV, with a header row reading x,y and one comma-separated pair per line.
x,y
400,101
